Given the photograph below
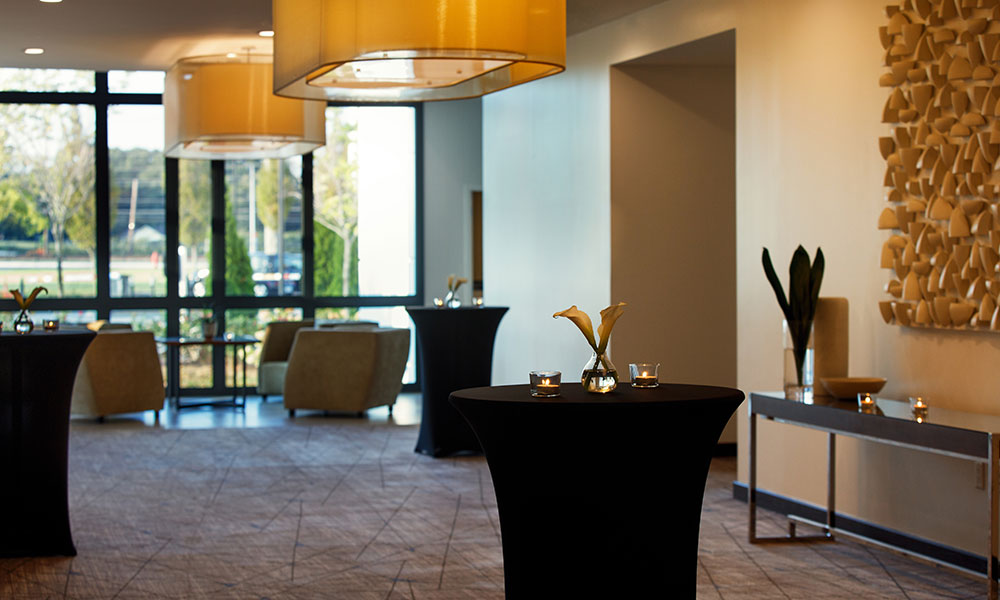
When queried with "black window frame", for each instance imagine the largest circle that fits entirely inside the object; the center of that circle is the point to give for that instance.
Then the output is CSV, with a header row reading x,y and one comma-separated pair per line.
x,y
102,99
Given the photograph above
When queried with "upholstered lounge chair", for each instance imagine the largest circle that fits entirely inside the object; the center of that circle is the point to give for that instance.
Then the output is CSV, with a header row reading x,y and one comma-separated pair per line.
x,y
278,338
120,373
346,369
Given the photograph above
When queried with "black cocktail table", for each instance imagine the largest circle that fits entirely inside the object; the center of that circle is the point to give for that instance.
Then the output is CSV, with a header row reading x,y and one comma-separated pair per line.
x,y
599,495
37,371
455,346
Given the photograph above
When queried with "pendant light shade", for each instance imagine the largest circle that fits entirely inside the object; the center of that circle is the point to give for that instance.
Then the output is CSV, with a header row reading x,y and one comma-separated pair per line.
x,y
220,107
404,50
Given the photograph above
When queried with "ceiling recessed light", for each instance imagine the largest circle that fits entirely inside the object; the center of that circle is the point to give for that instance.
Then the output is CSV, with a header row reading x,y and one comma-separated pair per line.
x,y
33,50
51,1
266,33
231,55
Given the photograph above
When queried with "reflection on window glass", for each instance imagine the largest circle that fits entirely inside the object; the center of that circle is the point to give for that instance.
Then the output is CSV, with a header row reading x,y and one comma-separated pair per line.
x,y
388,316
66,317
47,223
264,227
364,184
146,320
136,82
196,361
46,80
154,320
195,185
253,322
138,215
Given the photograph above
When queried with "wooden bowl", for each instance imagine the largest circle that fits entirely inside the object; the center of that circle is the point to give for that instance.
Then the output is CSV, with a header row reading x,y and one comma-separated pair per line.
x,y
850,387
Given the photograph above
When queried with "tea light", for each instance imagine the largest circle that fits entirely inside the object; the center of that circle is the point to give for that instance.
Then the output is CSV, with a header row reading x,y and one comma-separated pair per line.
x,y
644,375
50,324
866,403
545,384
439,303
477,301
919,408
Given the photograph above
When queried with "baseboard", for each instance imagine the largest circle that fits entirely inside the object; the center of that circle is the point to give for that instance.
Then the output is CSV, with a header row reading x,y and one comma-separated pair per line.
x,y
883,535
725,449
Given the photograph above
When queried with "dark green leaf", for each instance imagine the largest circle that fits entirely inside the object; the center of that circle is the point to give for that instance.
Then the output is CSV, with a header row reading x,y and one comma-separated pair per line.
x,y
798,284
772,277
815,280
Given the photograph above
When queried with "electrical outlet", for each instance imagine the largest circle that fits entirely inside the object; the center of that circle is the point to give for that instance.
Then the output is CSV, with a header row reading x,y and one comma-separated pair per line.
x,y
980,476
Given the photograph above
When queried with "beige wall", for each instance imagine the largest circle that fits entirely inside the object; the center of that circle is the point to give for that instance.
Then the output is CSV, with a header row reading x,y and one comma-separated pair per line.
x,y
673,219
808,108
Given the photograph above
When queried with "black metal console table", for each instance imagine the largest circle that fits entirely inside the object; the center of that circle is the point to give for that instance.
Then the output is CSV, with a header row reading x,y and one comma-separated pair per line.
x,y
958,434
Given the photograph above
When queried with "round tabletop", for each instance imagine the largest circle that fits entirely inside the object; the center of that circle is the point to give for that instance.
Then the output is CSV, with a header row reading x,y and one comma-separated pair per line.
x,y
624,393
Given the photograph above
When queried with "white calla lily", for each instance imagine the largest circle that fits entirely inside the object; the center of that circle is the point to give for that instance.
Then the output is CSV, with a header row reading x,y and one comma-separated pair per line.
x,y
582,320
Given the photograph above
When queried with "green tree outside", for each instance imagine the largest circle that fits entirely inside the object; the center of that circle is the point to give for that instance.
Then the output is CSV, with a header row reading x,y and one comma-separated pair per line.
x,y
239,272
336,209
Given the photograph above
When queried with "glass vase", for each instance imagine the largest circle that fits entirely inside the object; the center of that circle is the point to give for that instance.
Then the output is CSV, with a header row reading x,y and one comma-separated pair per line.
x,y
452,300
599,374
23,323
798,366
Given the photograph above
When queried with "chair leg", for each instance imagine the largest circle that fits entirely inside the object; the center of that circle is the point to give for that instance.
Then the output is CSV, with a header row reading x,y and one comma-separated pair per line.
x,y
390,410
156,417
100,419
291,413
263,398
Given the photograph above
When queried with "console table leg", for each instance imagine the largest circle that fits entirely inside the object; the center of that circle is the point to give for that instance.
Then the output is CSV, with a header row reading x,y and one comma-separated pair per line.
x,y
752,478
993,493
831,485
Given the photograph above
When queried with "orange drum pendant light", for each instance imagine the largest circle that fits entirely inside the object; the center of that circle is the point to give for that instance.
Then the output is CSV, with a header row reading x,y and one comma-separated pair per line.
x,y
406,50
223,107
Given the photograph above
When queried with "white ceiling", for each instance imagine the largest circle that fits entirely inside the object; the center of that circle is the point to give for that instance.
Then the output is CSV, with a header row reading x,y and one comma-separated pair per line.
x,y
153,34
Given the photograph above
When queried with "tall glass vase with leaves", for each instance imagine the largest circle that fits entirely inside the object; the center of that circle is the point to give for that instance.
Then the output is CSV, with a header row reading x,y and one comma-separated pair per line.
x,y
599,374
799,309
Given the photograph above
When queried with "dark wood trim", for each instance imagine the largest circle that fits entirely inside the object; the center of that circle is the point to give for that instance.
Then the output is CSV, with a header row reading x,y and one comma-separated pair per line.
x,y
884,535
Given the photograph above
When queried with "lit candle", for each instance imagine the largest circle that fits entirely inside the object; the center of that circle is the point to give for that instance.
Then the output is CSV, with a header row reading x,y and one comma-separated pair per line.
x,y
438,302
547,388
866,403
644,375
920,409
545,384
50,324
478,301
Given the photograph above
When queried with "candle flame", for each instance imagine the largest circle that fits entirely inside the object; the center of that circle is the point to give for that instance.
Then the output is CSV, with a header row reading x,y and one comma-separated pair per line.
x,y
645,374
545,382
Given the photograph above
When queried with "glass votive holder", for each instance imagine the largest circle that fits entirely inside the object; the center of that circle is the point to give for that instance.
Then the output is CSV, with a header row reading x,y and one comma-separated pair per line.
x,y
477,301
438,303
644,375
919,408
229,336
866,402
50,324
545,384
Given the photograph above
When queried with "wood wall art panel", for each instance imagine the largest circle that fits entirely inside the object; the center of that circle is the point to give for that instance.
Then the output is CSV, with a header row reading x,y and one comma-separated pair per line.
x,y
941,177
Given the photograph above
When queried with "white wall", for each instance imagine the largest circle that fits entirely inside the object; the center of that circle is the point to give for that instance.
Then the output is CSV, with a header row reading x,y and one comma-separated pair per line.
x,y
452,171
808,114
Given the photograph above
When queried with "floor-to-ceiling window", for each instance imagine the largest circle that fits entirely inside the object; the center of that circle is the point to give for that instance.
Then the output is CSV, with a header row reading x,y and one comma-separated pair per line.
x,y
91,210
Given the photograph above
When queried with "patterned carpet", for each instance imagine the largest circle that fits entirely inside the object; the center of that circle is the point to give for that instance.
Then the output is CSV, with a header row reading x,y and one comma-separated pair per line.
x,y
343,508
